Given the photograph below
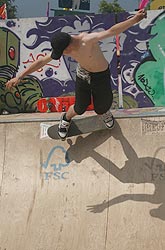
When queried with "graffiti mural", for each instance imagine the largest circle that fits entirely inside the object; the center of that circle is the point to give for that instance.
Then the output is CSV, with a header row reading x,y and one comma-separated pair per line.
x,y
57,78
142,60
150,74
25,40
22,98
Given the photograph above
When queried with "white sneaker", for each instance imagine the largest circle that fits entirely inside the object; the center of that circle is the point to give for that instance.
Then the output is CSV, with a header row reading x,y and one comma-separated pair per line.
x,y
63,128
108,119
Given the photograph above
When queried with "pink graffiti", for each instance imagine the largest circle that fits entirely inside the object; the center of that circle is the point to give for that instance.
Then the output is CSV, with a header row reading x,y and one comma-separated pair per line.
x,y
33,59
143,4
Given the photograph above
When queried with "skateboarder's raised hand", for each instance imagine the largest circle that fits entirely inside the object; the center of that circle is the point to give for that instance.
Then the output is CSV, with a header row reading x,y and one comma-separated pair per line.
x,y
121,27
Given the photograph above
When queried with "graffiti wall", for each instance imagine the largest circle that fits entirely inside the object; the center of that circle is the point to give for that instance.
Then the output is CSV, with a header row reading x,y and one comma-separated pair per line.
x,y
142,60
23,41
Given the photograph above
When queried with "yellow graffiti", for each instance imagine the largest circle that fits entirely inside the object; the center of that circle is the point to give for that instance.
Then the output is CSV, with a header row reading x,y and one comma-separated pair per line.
x,y
157,5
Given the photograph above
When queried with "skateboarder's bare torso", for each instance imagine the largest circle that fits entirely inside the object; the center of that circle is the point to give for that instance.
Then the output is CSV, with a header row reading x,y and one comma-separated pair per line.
x,y
84,48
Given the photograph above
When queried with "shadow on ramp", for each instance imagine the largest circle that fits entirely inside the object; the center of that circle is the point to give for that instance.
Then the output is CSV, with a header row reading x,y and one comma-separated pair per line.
x,y
136,170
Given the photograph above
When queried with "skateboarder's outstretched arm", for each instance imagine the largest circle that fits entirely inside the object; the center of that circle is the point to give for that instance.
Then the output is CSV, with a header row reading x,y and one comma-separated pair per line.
x,y
117,28
33,67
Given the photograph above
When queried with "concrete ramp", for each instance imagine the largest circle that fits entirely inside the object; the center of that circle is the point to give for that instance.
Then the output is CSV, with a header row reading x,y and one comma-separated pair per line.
x,y
102,191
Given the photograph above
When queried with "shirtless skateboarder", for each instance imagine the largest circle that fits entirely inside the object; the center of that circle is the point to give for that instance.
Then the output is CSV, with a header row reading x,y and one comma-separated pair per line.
x,y
93,75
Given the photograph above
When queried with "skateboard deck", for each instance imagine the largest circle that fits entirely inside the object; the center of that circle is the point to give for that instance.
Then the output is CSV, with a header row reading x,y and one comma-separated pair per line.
x,y
79,126
57,104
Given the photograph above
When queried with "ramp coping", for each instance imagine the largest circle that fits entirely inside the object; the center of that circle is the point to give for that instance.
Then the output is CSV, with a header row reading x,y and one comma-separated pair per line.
x,y
52,117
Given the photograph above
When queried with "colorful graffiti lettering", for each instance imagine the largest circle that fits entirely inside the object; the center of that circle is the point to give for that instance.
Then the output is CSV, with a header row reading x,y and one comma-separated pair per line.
x,y
133,48
33,59
150,74
148,89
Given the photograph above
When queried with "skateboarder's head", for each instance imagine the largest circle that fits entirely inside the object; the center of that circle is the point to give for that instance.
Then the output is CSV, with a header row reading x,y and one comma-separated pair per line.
x,y
59,42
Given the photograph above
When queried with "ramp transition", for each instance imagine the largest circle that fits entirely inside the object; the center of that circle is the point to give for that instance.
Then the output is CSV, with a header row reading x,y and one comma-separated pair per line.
x,y
100,191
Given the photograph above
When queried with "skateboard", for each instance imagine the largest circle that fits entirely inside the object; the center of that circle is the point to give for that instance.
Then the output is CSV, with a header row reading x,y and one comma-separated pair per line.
x,y
57,104
79,126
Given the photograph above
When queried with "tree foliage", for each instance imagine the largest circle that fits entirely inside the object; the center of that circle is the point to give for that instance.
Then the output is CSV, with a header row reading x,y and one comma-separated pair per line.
x,y
11,8
113,7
